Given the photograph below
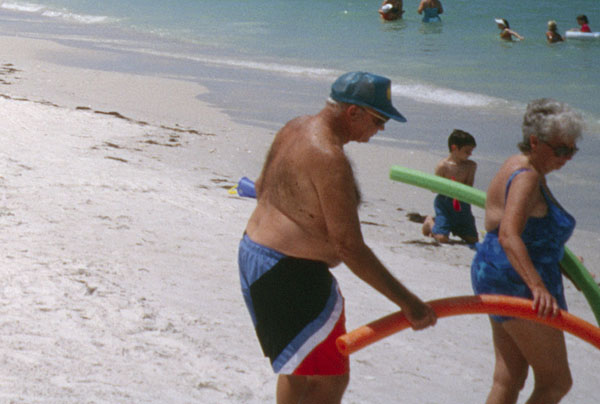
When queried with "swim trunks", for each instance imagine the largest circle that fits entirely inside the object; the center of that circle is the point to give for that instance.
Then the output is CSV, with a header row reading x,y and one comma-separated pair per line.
x,y
431,15
544,237
448,219
297,310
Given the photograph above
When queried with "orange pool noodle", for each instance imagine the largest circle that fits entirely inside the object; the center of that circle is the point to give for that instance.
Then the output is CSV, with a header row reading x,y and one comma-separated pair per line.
x,y
481,304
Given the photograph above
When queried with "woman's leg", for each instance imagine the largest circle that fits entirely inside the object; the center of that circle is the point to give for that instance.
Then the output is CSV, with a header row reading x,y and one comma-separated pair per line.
x,y
545,351
510,371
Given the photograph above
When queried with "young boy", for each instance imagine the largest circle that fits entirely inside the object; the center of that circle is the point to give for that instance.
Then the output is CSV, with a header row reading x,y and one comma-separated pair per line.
x,y
450,214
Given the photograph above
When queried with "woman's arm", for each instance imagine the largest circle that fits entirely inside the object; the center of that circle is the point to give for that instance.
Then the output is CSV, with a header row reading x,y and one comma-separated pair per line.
x,y
523,198
515,34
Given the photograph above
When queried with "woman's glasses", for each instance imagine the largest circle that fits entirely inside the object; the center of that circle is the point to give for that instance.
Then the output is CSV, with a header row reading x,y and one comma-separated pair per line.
x,y
562,151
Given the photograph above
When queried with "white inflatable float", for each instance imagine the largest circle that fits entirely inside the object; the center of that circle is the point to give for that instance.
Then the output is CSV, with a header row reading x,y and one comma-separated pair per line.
x,y
582,35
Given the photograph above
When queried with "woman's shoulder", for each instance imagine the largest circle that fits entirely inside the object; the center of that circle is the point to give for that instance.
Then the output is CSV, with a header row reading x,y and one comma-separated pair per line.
x,y
519,164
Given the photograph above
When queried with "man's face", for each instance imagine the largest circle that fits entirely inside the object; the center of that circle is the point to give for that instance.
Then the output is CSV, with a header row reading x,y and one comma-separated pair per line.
x,y
373,123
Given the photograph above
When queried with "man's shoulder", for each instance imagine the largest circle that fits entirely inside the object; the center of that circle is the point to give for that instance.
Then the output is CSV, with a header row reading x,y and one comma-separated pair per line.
x,y
307,139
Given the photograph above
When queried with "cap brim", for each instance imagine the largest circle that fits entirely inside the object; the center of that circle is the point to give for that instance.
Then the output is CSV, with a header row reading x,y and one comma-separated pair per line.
x,y
498,21
392,114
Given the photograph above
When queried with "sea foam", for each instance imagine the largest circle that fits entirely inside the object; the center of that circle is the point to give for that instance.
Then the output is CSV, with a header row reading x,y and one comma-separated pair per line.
x,y
35,8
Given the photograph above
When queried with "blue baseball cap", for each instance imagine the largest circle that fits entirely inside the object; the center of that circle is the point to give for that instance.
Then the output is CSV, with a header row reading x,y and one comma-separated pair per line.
x,y
366,90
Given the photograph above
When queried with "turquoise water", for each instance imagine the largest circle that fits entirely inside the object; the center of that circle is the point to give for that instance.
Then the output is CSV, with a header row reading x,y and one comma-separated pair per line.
x,y
459,63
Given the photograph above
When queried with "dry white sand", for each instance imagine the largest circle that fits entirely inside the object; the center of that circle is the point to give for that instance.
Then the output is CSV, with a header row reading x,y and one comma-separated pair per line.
x,y
119,261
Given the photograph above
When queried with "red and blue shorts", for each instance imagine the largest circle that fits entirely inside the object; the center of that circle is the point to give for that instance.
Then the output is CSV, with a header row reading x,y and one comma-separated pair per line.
x,y
297,310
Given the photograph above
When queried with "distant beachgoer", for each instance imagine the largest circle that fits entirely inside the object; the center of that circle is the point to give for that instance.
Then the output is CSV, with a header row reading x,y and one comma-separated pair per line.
x,y
583,22
305,223
552,34
520,255
505,32
431,10
391,10
452,215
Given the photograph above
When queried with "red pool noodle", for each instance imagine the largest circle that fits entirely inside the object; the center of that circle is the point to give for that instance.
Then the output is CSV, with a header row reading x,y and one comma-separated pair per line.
x,y
452,306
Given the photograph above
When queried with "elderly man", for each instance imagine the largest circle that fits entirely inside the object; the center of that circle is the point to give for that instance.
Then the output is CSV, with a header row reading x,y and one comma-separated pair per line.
x,y
305,222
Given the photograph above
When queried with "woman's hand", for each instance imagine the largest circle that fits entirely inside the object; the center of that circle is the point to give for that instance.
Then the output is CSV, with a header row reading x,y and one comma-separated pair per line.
x,y
544,304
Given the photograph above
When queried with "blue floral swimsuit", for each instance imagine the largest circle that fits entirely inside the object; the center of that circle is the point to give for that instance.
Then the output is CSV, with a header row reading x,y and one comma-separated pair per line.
x,y
544,237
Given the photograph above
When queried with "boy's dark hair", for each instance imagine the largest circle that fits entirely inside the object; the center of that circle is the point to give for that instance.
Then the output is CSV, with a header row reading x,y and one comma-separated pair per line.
x,y
583,17
460,138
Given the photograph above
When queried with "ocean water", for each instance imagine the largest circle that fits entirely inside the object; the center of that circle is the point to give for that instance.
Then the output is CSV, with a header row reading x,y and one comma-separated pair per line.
x,y
459,63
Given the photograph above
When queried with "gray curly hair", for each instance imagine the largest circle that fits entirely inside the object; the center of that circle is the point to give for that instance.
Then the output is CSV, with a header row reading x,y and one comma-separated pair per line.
x,y
547,118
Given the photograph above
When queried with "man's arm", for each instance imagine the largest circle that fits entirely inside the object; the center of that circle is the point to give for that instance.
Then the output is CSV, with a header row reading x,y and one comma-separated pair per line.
x,y
337,192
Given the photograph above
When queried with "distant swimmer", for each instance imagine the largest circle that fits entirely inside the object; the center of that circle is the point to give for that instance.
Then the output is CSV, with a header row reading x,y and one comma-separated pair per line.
x,y
431,10
391,10
583,22
552,34
505,32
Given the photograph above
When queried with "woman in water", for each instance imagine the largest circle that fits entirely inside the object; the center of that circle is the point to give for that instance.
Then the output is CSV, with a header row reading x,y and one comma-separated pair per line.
x,y
552,34
431,10
505,32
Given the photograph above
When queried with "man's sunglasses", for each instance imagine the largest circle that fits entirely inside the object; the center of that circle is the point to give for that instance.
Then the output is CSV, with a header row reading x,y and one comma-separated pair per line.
x,y
380,120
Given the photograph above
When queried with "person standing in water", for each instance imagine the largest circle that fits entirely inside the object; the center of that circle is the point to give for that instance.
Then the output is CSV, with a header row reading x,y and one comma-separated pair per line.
x,y
552,35
431,10
505,32
391,10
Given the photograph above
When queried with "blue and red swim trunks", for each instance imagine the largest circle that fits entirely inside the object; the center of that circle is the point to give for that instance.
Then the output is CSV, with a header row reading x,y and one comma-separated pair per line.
x,y
297,310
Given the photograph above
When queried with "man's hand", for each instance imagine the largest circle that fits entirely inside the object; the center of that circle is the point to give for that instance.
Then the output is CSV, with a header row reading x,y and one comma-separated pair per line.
x,y
420,315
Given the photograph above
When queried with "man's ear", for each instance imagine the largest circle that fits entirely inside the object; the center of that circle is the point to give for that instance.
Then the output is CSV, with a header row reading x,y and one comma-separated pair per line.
x,y
353,111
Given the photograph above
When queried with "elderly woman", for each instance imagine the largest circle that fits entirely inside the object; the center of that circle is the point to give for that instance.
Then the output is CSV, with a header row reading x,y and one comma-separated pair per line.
x,y
520,255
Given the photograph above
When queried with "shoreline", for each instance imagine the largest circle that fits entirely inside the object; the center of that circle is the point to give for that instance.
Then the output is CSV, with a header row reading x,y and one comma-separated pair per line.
x,y
121,280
